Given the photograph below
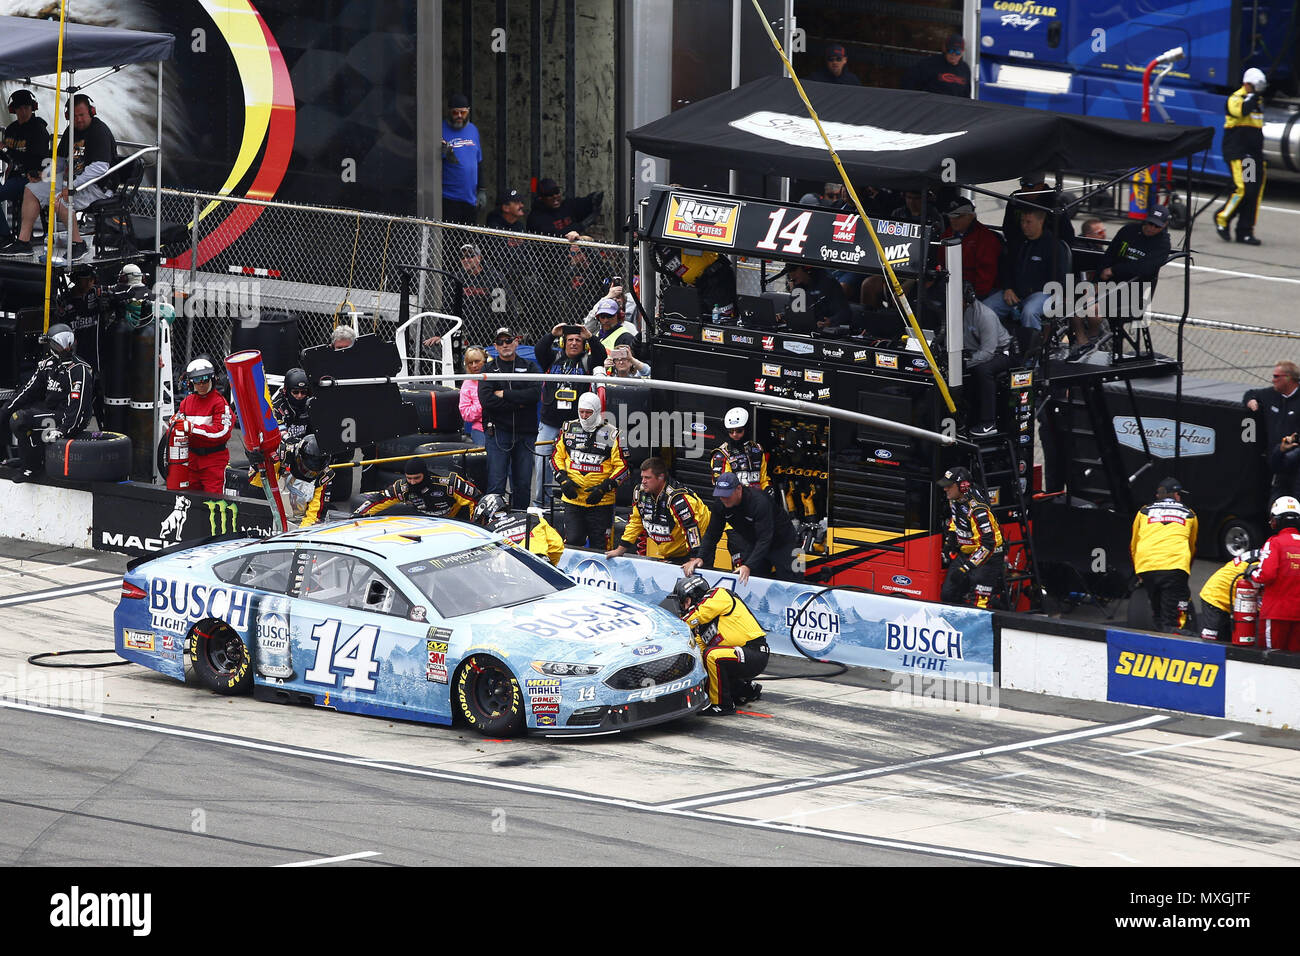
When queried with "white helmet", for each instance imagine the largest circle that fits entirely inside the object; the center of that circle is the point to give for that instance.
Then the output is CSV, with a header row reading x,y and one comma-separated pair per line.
x,y
200,368
130,275
1255,77
736,418
590,401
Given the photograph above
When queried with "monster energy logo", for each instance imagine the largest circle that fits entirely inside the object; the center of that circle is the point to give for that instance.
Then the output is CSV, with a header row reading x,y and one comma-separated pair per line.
x,y
222,508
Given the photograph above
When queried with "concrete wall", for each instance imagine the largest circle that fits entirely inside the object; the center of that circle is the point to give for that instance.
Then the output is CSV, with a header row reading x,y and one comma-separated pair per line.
x,y
55,516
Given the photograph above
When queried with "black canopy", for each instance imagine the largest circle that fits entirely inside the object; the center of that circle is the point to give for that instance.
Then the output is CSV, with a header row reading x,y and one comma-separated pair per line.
x,y
30,47
899,138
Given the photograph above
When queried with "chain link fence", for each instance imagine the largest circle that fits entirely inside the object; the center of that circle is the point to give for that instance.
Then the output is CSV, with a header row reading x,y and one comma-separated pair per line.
x,y
280,265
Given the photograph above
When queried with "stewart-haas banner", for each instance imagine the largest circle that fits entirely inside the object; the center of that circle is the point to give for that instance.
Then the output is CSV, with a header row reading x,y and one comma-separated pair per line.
x,y
848,627
142,519
829,238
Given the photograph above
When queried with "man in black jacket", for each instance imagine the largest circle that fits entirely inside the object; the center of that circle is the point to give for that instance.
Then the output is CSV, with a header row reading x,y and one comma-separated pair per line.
x,y
26,148
578,354
54,404
1278,409
758,535
510,421
1135,256
1027,269
944,72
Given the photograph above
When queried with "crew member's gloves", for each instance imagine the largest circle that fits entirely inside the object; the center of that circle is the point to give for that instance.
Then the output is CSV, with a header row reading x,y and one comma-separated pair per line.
x,y
255,457
569,487
600,491
52,435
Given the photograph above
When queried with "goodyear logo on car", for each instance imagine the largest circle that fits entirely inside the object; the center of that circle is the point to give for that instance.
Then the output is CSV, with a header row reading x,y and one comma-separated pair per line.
x,y
1164,672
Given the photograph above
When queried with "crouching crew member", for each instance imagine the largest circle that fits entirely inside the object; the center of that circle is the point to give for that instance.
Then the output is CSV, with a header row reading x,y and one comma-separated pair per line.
x,y
53,405
746,459
1163,545
589,467
426,494
305,476
1216,597
1279,572
494,514
731,641
974,533
759,536
673,520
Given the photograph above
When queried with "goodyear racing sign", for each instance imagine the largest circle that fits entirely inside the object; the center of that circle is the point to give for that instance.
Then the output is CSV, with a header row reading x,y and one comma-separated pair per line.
x,y
1165,672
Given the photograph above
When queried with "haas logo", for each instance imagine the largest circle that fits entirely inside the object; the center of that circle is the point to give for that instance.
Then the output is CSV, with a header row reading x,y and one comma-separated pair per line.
x,y
174,523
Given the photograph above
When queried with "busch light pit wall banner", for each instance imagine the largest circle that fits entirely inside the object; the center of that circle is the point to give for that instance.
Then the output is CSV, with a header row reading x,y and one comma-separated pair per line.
x,y
1165,672
863,630
141,520
830,238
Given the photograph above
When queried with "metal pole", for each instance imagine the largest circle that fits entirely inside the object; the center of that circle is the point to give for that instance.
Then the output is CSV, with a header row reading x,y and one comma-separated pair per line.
x,y
158,169
732,175
194,275
808,408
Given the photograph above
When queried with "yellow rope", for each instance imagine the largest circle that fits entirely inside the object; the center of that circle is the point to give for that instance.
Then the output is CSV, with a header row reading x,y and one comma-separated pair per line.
x,y
356,235
54,160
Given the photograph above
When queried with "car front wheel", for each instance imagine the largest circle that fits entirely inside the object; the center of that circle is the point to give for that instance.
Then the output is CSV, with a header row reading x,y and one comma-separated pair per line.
x,y
489,698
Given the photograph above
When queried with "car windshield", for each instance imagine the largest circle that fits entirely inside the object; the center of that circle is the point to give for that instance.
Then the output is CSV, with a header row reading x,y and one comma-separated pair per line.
x,y
495,575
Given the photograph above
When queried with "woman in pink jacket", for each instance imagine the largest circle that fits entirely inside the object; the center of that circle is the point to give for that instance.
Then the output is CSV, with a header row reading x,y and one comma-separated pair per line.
x,y
470,409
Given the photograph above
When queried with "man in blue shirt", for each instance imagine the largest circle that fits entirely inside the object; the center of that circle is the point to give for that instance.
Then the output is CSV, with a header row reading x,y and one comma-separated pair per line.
x,y
462,155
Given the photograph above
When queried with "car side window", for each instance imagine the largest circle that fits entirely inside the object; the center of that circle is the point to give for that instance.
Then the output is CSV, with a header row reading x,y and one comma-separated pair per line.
x,y
327,577
376,593
266,571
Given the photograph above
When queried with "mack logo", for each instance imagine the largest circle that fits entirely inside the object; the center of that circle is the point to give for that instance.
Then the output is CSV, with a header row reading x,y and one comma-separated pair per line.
x,y
798,348
116,541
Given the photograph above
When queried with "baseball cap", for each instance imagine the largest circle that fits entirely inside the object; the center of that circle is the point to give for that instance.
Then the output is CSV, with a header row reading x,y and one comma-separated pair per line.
x,y
607,306
548,187
960,207
510,195
835,49
21,98
1158,216
726,485
1169,485
956,43
506,331
469,249
458,101
952,476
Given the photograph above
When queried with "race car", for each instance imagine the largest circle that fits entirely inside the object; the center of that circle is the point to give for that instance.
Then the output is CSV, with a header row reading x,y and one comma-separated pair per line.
x,y
417,618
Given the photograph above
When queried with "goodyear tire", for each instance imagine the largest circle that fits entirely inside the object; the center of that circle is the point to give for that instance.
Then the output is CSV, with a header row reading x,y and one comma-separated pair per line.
x,y
220,658
100,456
488,696
436,409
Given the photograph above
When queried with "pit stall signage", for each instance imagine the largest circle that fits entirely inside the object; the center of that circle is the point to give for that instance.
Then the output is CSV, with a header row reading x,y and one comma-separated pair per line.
x,y
824,238
141,520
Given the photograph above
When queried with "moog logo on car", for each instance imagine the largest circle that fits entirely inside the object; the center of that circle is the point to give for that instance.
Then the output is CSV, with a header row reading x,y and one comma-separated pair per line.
x,y
814,624
190,602
594,574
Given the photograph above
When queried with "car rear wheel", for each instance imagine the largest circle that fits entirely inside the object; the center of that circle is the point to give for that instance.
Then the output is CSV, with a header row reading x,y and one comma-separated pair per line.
x,y
220,658
489,698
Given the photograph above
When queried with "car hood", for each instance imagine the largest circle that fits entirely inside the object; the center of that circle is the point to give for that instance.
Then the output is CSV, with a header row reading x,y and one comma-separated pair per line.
x,y
587,624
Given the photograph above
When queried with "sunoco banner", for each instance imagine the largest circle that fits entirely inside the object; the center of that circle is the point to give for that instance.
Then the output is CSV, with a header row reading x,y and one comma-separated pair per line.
x,y
140,520
864,630
1165,672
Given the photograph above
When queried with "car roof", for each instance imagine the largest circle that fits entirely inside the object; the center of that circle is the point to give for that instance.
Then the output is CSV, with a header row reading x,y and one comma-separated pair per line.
x,y
391,535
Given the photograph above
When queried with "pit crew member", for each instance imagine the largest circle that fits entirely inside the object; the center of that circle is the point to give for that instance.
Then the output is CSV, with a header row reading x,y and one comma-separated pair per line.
x,y
974,534
589,467
437,497
673,520
1163,545
493,512
1216,597
54,404
1279,572
745,458
759,536
208,419
292,405
731,641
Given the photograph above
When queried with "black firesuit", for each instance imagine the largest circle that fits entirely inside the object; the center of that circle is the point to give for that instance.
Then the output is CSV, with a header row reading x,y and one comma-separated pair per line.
x,y
974,533
292,414
55,403
747,461
437,497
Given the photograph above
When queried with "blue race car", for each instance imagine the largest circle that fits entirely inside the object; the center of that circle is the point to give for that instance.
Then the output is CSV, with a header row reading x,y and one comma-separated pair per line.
x,y
415,618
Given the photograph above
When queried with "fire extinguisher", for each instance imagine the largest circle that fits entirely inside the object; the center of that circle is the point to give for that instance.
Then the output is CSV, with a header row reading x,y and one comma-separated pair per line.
x,y
1245,608
178,456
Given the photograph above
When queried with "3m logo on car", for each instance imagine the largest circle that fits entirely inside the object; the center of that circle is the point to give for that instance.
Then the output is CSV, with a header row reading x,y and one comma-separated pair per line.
x,y
695,219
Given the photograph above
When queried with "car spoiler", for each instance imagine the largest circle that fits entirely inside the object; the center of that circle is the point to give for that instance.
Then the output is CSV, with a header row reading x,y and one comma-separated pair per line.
x,y
188,545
